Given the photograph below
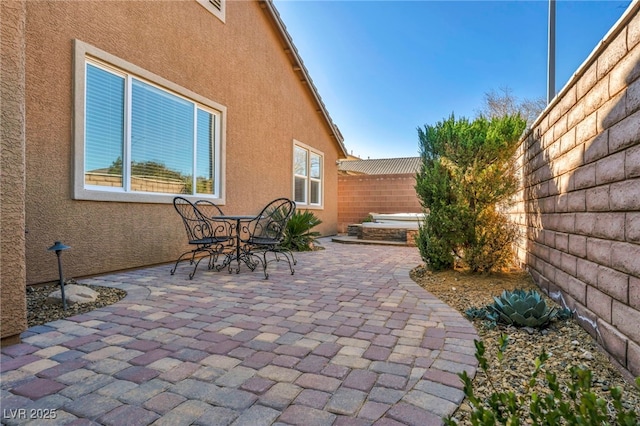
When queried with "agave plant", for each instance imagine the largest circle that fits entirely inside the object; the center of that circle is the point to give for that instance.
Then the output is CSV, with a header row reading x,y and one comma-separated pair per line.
x,y
521,308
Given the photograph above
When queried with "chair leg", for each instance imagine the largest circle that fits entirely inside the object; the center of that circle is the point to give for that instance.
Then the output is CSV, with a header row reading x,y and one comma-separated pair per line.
x,y
192,253
276,253
291,263
264,265
193,260
293,259
213,256
288,256
194,268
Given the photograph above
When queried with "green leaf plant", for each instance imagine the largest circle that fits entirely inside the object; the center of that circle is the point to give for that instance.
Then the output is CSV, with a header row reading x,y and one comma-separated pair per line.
x,y
574,404
298,235
467,176
520,308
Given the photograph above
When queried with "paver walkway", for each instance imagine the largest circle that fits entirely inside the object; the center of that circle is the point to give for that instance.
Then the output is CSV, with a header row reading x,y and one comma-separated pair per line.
x,y
349,339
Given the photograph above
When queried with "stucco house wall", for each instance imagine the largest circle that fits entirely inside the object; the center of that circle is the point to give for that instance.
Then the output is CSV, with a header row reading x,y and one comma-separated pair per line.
x,y
12,185
579,204
359,195
247,64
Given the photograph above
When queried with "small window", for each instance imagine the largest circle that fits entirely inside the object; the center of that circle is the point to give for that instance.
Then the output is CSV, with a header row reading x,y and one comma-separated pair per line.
x,y
216,7
307,175
137,140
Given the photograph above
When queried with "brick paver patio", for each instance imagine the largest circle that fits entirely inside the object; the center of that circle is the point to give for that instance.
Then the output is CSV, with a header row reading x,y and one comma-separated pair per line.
x,y
349,339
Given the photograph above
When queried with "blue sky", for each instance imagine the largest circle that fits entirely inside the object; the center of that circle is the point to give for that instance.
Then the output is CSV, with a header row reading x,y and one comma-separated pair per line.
x,y
384,68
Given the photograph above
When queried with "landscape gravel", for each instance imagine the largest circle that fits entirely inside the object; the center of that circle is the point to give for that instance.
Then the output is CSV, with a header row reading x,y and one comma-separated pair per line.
x,y
41,310
567,343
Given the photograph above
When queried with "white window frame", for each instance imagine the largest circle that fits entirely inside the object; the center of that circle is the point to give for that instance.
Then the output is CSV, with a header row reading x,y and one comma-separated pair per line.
x,y
217,7
308,179
85,53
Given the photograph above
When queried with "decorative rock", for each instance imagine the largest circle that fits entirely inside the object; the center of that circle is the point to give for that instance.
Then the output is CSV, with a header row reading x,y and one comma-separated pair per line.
x,y
586,355
74,294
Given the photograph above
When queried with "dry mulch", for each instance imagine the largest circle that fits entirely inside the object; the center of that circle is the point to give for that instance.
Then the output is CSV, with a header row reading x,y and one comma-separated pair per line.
x,y
568,344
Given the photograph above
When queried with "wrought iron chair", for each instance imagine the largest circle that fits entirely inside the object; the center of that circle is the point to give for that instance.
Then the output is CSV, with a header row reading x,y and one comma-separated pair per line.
x,y
212,212
264,234
209,209
209,237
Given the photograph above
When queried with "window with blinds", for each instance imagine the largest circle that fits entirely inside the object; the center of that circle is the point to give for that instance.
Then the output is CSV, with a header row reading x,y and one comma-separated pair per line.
x,y
307,175
142,138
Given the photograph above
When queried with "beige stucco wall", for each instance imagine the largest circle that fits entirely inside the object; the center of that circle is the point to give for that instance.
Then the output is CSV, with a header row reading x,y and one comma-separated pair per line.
x,y
13,309
241,64
579,206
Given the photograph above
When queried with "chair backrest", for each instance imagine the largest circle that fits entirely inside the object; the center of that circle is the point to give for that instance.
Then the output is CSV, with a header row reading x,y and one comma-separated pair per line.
x,y
208,208
221,228
196,224
272,220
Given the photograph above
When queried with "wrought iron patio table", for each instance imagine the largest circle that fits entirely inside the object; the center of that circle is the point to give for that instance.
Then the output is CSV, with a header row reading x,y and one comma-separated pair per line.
x,y
238,254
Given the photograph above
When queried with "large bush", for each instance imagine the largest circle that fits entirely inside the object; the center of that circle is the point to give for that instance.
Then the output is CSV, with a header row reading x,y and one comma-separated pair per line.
x,y
466,175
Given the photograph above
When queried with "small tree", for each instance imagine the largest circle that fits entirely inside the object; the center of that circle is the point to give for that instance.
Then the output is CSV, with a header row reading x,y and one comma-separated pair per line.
x,y
465,175
504,102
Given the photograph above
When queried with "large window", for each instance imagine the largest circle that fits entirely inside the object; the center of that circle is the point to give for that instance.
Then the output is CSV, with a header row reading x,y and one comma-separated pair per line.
x,y
307,175
141,141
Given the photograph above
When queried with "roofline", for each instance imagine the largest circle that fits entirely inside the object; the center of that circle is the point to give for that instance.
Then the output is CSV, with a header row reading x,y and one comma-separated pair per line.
x,y
298,66
379,159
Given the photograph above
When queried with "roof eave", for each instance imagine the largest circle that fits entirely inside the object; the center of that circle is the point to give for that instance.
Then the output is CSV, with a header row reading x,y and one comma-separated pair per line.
x,y
298,66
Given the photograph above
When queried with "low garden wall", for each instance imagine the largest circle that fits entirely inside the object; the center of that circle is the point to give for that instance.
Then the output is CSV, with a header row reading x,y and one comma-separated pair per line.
x,y
359,195
383,233
579,203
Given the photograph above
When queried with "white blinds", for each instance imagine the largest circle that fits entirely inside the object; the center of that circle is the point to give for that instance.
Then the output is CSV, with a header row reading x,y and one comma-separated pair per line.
x,y
104,126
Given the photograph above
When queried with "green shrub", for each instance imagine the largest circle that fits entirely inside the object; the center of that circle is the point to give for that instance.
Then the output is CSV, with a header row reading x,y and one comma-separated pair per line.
x,y
577,405
436,251
298,235
466,173
491,245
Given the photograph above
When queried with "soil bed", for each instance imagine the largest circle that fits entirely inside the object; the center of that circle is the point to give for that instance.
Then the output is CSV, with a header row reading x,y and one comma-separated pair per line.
x,y
568,344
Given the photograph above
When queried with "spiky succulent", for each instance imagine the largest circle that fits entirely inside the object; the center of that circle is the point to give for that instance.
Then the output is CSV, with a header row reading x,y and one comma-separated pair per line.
x,y
521,308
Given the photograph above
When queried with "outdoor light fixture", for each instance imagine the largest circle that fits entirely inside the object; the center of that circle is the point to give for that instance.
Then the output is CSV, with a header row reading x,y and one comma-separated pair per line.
x,y
58,247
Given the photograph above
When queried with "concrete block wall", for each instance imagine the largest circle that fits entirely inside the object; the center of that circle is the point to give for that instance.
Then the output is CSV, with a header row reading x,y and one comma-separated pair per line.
x,y
359,195
579,203
144,184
